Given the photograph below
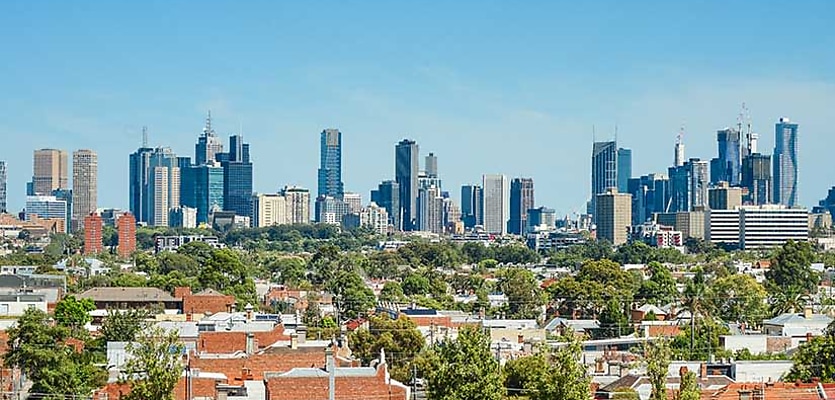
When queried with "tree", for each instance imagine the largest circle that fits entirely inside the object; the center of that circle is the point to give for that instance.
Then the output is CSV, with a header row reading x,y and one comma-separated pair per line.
x,y
155,365
352,297
466,369
660,288
740,298
791,269
416,284
524,297
625,393
613,321
398,337
689,389
392,292
291,271
74,313
123,326
658,364
519,373
565,377
815,359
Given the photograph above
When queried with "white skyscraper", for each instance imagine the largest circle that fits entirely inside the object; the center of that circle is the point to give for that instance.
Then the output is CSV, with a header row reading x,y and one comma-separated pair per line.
x,y
85,167
496,203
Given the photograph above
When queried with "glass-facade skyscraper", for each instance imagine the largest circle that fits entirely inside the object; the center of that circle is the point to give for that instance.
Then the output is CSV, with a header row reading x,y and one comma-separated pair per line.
x,y
208,144
387,196
688,186
624,169
406,165
202,188
472,209
521,200
330,164
756,177
785,163
728,166
604,169
237,178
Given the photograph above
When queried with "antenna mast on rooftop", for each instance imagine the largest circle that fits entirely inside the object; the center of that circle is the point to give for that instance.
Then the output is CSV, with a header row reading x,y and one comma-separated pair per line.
x,y
144,137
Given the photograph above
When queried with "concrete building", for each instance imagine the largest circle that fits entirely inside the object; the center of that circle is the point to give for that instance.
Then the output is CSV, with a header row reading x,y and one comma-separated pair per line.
x,y
785,163
330,210
757,227
93,226
376,218
541,218
496,203
756,177
691,224
50,172
269,210
46,207
521,200
430,217
722,227
126,229
614,216
183,217
85,168
353,201
298,204
724,197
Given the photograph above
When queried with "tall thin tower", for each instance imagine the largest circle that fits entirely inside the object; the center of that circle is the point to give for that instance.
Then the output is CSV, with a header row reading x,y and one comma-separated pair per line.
x,y
679,155
85,168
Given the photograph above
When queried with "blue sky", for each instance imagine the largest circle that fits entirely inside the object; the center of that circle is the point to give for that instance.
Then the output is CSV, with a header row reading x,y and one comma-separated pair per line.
x,y
488,86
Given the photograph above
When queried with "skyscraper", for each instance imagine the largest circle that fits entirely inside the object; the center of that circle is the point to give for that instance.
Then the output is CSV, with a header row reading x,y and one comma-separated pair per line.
x,y
624,169
604,169
406,167
614,211
237,178
93,226
728,166
472,208
3,187
47,207
496,203
430,216
785,163
330,164
688,186
163,189
139,178
208,144
756,177
126,228
268,210
650,195
202,188
50,171
431,167
521,200
724,197
678,159
387,196
85,168
298,204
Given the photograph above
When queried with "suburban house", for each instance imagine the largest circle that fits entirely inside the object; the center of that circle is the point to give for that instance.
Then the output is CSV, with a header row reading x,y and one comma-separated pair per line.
x,y
797,325
123,298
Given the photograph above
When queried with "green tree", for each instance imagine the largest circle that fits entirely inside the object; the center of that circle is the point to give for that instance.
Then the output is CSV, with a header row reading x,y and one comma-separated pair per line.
x,y
352,297
791,269
392,292
519,373
660,288
613,321
658,364
466,369
416,284
399,338
689,389
524,297
155,365
740,298
74,313
123,326
625,393
565,376
291,271
815,359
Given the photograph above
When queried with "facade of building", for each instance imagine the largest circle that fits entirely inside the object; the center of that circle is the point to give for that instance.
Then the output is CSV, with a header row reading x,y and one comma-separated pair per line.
x,y
330,164
139,177
691,224
93,226
298,204
688,186
496,203
624,169
431,165
268,210
50,172
202,188
785,163
650,195
46,207
724,197
126,229
722,227
376,218
406,167
208,144
521,200
472,208
353,201
541,218
756,177
757,227
614,211
85,167
604,169
3,205
727,167
237,178
330,210
430,216
182,217
387,196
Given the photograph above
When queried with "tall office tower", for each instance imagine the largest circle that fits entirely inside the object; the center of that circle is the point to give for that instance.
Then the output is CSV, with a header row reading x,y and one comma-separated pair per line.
x,y
728,166
406,174
785,163
65,195
353,201
330,164
614,212
202,188
430,216
521,200
604,169
298,204
678,159
139,178
268,210
50,171
624,169
126,229
208,144
496,203
724,197
650,195
85,167
688,186
162,191
237,178
756,177
182,217
431,167
3,187
93,226
472,208
387,196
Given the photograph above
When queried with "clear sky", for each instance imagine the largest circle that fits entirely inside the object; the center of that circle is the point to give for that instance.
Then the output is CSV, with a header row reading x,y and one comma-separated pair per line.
x,y
488,86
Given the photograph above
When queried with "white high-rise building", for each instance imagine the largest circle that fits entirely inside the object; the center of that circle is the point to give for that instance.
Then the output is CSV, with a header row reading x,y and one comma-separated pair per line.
x,y
757,227
268,210
496,203
354,202
430,210
376,218
85,168
298,204
161,197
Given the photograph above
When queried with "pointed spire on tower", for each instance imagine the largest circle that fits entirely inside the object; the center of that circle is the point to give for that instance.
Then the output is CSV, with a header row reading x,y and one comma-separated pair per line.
x,y
207,131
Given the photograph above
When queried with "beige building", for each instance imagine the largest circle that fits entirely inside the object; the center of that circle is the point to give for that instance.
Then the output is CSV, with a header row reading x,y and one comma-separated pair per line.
x,y
691,224
85,169
724,197
50,171
298,204
614,216
268,210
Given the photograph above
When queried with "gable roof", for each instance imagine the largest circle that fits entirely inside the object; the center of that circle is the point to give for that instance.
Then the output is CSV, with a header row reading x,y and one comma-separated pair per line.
x,y
798,319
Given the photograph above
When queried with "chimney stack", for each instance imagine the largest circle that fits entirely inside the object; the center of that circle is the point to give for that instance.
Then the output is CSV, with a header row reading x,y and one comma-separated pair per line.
x,y
250,343
807,312
249,311
331,366
294,341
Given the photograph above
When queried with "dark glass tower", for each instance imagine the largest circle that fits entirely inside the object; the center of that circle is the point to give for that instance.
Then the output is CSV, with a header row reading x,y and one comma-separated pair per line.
x,y
472,209
202,188
387,196
728,166
406,166
330,164
624,169
140,162
756,177
785,163
237,178
521,200
604,169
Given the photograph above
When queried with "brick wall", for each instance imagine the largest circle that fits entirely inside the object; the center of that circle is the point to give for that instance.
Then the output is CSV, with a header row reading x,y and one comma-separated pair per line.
x,y
200,387
207,303
279,360
777,344
231,342
427,321
346,388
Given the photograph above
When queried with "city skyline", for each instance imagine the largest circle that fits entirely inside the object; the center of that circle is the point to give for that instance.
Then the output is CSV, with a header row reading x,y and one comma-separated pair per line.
x,y
482,99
